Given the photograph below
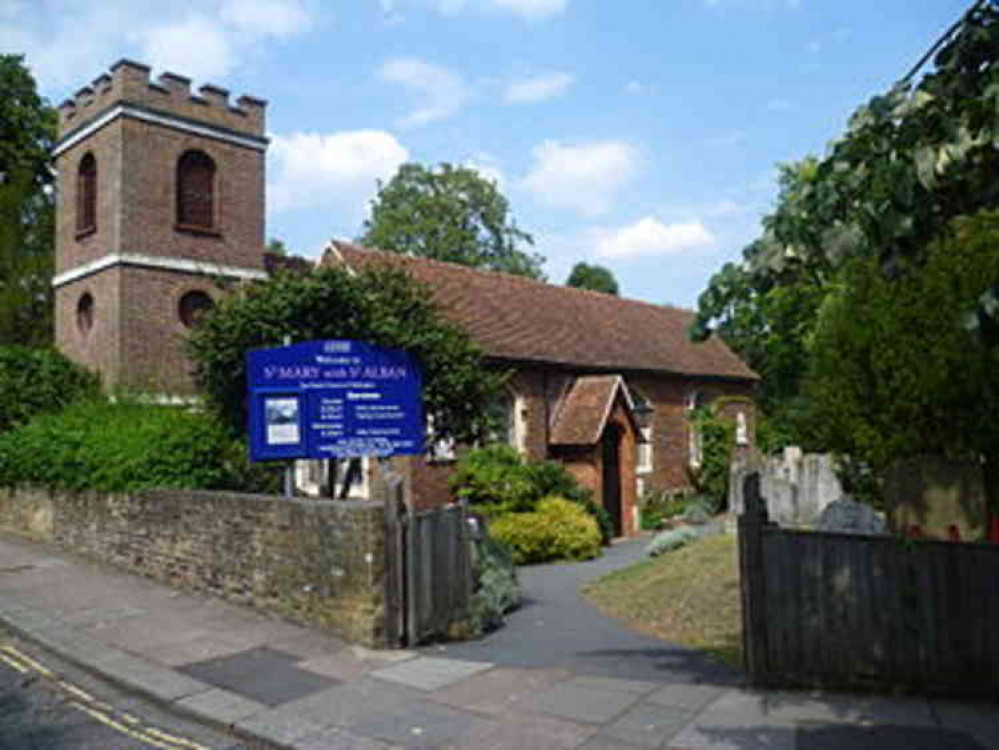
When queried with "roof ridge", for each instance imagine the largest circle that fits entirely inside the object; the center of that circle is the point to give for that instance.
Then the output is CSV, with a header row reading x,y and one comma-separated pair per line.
x,y
341,244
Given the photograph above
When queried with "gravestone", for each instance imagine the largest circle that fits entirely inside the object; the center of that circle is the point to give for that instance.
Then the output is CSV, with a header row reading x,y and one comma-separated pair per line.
x,y
849,517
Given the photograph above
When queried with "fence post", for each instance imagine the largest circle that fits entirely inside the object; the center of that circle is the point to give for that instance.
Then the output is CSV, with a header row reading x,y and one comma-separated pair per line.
x,y
752,577
395,587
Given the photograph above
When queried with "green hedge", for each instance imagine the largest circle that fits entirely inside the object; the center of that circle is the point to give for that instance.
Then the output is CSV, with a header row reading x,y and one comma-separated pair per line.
x,y
124,447
557,530
497,590
36,381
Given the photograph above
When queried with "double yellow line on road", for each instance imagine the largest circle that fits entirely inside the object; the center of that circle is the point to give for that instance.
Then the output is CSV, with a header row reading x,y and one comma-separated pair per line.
x,y
105,713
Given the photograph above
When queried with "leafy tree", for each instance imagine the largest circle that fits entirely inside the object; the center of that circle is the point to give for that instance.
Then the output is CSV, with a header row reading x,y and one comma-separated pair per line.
x,y
892,376
27,132
910,161
596,278
451,214
277,246
380,305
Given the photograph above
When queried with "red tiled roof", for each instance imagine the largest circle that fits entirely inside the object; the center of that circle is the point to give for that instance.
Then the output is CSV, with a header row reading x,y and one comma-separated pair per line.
x,y
517,319
585,409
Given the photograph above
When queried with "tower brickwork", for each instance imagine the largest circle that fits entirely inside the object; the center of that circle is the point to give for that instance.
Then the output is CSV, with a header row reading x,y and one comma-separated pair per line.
x,y
160,207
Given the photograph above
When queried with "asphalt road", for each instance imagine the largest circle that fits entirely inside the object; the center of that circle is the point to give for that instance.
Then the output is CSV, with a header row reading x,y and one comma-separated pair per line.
x,y
47,704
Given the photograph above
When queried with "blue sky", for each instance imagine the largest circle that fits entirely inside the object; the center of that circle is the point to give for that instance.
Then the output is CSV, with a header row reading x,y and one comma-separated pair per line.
x,y
638,134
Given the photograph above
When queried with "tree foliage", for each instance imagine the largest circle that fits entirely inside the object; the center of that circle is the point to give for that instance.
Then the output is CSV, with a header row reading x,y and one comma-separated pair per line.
x,y
34,381
910,161
380,305
892,376
593,277
452,214
27,132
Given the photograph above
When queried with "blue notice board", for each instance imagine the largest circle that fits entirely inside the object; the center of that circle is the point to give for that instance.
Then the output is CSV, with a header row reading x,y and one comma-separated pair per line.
x,y
333,399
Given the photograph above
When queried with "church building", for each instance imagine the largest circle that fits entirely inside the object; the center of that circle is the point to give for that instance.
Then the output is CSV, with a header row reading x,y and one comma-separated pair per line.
x,y
161,208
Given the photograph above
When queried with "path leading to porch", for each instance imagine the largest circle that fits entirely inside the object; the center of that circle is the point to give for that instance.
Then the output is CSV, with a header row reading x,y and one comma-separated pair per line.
x,y
555,627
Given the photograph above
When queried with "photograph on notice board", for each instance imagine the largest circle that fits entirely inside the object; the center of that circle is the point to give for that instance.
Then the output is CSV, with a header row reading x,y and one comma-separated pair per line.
x,y
281,415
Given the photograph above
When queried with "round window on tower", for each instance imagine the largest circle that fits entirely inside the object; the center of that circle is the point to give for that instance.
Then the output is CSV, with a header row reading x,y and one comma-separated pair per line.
x,y
85,313
192,306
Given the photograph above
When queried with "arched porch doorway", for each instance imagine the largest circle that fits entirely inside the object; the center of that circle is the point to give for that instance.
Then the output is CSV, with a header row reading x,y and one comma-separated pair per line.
x,y
611,475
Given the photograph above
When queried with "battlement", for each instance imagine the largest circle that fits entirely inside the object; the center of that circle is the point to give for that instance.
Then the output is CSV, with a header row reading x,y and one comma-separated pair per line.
x,y
130,82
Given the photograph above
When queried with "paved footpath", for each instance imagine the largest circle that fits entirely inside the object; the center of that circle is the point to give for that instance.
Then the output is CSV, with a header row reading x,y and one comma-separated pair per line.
x,y
297,688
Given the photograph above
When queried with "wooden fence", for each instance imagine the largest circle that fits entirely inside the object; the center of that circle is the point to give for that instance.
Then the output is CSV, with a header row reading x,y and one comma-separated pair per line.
x,y
429,577
843,610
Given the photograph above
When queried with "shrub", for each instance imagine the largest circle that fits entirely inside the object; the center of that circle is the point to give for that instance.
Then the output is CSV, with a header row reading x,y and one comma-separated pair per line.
x,y
656,505
496,480
497,590
669,540
557,530
697,510
126,447
36,381
495,475
717,444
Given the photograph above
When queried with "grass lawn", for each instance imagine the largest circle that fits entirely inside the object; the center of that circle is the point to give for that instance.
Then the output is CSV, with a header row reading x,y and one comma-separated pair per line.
x,y
689,596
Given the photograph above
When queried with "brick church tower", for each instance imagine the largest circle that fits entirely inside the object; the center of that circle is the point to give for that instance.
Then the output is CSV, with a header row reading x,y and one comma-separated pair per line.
x,y
160,205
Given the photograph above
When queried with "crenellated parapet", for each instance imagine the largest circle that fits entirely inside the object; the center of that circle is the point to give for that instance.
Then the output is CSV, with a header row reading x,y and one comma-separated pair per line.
x,y
130,83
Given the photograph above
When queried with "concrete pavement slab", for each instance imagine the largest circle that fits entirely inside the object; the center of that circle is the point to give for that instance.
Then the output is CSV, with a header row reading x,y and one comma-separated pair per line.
x,y
501,689
261,674
341,739
159,683
585,704
646,725
430,673
882,737
697,736
345,705
341,665
600,742
220,706
976,717
278,727
691,697
518,731
612,683
421,725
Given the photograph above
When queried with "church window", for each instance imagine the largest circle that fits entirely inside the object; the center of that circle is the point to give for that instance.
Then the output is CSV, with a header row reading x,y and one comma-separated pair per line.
x,y
196,191
86,195
192,306
85,313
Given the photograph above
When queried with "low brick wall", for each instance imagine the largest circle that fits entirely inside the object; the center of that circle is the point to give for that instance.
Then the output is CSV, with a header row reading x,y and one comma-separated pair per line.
x,y
317,561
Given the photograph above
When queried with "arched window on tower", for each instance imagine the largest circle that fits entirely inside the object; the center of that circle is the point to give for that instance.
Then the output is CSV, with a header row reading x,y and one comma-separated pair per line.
x,y
86,195
196,191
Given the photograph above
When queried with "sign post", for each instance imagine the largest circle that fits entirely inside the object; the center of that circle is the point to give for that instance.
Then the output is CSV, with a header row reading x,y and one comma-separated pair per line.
x,y
333,399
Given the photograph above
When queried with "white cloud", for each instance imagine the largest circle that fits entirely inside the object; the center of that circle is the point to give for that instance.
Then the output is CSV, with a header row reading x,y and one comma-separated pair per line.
x,y
391,14
585,177
531,10
194,47
650,236
488,166
281,18
538,89
65,40
333,170
634,87
440,92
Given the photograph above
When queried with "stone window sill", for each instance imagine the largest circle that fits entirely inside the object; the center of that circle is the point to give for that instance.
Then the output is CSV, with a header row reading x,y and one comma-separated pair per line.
x,y
201,231
86,231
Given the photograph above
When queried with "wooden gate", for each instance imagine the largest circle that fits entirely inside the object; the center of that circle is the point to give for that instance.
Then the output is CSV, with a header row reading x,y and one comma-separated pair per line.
x,y
430,576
